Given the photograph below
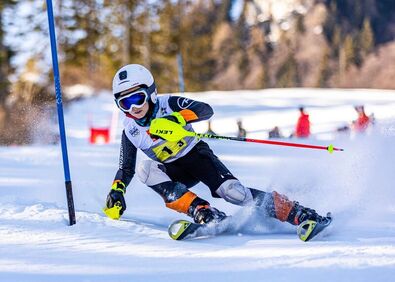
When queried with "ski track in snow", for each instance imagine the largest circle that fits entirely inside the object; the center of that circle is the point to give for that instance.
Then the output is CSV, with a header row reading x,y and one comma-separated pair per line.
x,y
36,243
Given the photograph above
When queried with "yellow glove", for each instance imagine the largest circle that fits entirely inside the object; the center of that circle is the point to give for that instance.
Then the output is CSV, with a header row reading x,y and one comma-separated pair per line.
x,y
115,202
177,118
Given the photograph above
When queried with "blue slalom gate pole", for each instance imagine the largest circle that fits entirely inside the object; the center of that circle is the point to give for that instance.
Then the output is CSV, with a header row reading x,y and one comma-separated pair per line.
x,y
59,105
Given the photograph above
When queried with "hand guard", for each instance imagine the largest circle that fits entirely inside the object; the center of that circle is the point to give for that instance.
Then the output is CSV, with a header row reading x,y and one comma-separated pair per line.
x,y
177,118
115,202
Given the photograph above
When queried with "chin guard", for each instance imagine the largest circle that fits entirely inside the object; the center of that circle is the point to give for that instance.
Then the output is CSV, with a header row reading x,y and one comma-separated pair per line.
x,y
114,212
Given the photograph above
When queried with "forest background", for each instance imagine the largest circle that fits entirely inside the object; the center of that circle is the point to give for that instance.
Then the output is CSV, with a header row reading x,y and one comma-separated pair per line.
x,y
223,45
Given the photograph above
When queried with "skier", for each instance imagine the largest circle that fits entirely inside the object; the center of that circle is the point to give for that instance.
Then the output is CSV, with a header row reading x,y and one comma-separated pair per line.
x,y
174,167
209,129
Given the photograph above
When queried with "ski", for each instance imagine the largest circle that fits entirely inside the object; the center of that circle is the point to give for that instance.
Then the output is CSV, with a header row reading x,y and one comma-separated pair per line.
x,y
309,229
184,229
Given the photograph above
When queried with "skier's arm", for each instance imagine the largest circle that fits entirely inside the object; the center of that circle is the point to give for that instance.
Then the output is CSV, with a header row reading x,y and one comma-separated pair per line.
x,y
115,202
191,110
127,161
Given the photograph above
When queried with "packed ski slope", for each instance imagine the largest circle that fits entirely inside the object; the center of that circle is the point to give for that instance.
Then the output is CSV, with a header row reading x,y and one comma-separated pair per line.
x,y
357,186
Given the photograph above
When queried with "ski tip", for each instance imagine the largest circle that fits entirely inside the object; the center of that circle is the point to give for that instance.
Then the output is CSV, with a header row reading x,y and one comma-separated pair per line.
x,y
308,229
305,230
177,229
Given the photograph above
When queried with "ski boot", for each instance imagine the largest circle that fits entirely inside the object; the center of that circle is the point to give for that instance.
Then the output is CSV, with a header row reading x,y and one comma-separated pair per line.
x,y
206,220
204,214
300,213
309,222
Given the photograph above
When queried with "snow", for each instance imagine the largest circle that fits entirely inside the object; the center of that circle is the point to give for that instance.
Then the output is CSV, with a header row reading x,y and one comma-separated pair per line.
x,y
36,243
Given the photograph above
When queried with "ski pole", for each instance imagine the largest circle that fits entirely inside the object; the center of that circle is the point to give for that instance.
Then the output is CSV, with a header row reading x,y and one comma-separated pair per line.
x,y
172,131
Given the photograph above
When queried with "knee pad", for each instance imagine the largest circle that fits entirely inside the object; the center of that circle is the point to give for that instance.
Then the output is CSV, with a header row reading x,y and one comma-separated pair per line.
x,y
151,172
234,192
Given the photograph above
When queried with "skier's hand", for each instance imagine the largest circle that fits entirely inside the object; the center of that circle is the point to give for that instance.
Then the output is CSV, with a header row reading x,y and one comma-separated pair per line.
x,y
177,118
115,203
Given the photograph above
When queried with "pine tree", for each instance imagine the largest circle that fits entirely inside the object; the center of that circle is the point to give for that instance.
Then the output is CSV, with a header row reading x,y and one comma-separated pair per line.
x,y
366,38
349,51
241,40
197,46
5,70
224,10
166,43
300,28
325,71
287,74
82,49
336,41
258,46
5,56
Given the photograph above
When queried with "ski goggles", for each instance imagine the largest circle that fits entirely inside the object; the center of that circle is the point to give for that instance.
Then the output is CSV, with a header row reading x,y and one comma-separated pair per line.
x,y
134,99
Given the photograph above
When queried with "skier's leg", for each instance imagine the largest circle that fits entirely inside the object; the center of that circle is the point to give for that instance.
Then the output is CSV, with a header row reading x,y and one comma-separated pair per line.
x,y
280,207
275,204
175,194
205,166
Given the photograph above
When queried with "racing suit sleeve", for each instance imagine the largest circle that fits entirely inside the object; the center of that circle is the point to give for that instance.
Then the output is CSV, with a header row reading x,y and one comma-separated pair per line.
x,y
191,110
127,161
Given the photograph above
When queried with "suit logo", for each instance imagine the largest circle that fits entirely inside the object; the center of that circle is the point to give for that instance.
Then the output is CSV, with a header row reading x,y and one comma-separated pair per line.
x,y
184,103
134,132
163,111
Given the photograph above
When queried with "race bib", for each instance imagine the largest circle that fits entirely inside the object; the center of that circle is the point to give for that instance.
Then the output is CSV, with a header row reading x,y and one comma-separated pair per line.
x,y
169,149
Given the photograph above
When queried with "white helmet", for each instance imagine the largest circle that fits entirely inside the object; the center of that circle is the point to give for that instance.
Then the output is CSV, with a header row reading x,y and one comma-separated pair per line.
x,y
133,75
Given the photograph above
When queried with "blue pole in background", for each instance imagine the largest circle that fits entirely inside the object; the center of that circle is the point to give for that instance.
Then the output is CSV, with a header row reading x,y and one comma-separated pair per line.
x,y
180,73
55,66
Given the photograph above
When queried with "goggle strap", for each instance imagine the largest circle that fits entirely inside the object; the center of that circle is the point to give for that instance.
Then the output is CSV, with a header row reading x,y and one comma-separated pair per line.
x,y
151,89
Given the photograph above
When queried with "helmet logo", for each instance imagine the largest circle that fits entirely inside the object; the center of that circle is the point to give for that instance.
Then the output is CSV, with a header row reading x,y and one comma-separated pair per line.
x,y
123,75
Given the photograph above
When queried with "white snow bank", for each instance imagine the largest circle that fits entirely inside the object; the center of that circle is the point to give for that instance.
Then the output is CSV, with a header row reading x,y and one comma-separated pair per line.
x,y
36,244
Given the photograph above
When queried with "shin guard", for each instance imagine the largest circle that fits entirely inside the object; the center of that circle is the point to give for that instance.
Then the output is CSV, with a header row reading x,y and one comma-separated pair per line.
x,y
183,203
282,206
275,204
177,197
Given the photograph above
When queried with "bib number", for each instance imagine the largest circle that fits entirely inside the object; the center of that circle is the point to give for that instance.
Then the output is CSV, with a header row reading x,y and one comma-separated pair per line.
x,y
169,149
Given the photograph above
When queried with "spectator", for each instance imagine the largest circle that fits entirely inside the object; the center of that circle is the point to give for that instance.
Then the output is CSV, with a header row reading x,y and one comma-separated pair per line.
x,y
275,133
241,131
363,121
302,129
209,129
